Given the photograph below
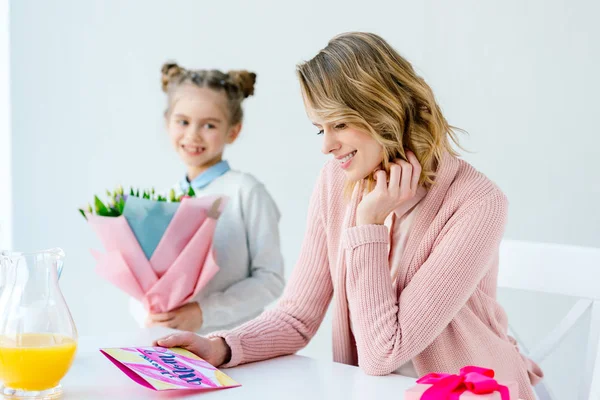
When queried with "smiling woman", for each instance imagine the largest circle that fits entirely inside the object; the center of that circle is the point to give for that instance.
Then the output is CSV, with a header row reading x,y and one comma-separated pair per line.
x,y
385,111
412,255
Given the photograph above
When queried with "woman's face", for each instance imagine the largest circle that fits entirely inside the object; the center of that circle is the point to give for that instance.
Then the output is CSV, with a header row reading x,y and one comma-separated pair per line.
x,y
356,151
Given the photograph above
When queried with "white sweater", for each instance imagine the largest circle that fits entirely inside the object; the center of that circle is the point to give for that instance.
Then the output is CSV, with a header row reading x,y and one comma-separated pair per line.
x,y
247,250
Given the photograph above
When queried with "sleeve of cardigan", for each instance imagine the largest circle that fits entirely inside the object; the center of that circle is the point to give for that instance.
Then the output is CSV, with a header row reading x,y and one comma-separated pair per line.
x,y
294,321
391,330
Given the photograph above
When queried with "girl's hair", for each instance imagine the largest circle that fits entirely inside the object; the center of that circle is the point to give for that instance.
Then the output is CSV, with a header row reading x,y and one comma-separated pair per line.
x,y
236,85
360,79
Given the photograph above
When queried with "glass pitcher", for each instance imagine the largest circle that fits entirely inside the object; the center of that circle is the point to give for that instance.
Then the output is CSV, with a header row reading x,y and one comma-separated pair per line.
x,y
38,338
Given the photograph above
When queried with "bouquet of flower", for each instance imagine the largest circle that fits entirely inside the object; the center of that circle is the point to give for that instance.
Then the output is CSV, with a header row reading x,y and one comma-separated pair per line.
x,y
158,248
116,203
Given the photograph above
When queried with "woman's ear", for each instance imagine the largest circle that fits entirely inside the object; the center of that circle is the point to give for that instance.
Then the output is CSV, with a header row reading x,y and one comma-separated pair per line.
x,y
233,133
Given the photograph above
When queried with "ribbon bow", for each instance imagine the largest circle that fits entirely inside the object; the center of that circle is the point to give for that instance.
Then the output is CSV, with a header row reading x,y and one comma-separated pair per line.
x,y
472,379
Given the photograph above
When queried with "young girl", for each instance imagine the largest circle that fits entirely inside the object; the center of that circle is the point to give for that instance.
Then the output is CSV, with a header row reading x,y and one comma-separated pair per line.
x,y
204,114
411,253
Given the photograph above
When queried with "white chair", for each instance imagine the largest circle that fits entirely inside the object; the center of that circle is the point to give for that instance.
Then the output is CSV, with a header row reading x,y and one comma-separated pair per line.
x,y
563,270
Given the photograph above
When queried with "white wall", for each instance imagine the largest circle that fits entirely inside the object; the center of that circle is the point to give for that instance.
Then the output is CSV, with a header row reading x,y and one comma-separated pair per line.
x,y
519,76
5,136
87,111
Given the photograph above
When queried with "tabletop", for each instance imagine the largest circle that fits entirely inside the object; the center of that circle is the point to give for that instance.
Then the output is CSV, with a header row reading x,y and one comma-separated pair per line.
x,y
93,376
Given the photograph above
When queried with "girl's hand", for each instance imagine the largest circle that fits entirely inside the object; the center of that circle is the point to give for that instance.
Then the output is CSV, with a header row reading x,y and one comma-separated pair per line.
x,y
185,318
215,351
387,196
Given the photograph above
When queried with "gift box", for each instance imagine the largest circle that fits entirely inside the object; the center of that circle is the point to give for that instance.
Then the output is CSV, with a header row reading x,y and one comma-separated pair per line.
x,y
473,383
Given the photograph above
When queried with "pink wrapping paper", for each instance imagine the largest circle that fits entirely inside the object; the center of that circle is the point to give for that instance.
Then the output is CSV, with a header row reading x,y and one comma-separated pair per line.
x,y
180,267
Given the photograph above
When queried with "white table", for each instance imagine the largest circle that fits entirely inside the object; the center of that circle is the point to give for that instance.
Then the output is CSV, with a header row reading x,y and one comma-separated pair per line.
x,y
93,376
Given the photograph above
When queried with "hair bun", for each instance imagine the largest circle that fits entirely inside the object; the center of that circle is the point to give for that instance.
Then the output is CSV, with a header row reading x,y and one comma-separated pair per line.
x,y
169,71
244,80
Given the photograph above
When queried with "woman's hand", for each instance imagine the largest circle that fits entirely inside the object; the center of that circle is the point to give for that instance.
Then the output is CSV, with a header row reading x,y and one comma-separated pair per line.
x,y
185,318
215,351
391,193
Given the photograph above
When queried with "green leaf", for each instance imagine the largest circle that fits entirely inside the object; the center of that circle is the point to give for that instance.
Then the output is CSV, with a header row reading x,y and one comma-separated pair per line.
x,y
83,213
191,192
114,212
101,209
131,192
121,205
172,195
137,193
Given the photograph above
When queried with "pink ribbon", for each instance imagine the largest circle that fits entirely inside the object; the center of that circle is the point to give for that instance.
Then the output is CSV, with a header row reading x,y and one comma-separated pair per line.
x,y
472,379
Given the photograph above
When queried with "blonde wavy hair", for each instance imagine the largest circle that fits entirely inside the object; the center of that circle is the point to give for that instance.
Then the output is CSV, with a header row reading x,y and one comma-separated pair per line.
x,y
361,80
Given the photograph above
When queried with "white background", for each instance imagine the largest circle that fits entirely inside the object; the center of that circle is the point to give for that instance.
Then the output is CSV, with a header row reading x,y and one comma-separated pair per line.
x,y
5,137
520,77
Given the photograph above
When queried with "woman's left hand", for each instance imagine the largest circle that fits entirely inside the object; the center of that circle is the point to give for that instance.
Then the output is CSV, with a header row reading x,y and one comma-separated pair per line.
x,y
185,318
387,196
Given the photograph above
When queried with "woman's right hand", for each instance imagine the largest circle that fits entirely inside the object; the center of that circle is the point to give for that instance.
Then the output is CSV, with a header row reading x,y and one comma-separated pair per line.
x,y
215,351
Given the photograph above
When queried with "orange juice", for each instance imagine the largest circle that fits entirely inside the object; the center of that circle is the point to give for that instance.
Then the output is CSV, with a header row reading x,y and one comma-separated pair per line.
x,y
35,361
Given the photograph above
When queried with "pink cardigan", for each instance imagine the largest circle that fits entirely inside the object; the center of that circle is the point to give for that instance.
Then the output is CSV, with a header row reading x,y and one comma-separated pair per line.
x,y
442,313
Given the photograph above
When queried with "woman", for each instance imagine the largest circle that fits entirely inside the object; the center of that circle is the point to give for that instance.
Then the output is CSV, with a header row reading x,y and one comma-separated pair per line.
x,y
401,230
